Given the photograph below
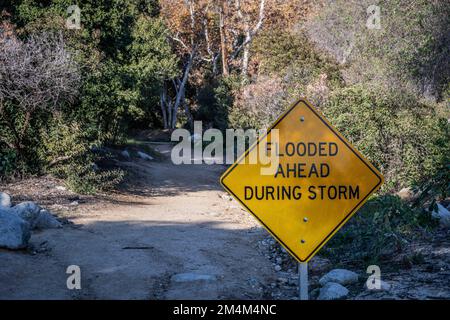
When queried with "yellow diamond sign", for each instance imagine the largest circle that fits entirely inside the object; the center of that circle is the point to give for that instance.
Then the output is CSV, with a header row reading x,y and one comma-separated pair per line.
x,y
318,182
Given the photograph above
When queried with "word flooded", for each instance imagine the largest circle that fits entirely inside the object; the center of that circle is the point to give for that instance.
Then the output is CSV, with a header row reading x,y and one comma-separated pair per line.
x,y
306,149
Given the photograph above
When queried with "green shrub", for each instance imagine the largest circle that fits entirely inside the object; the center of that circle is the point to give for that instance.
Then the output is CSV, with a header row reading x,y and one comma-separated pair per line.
x,y
8,159
215,101
409,51
70,157
381,228
400,135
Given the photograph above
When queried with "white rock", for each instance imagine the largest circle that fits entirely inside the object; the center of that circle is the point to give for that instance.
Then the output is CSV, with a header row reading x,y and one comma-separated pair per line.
x,y
277,268
60,188
187,277
332,291
406,194
384,286
14,231
442,214
47,221
144,156
5,200
341,276
28,211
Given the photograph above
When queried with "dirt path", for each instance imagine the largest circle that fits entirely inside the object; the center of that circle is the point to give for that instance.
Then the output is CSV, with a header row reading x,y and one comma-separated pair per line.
x,y
178,220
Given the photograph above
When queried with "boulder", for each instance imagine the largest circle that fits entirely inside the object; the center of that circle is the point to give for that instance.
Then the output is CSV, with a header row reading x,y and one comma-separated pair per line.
x,y
332,291
341,276
5,200
144,156
47,221
14,231
28,211
442,214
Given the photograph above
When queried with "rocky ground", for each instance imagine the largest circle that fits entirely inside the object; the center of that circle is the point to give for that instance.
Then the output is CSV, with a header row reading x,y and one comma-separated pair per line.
x,y
172,232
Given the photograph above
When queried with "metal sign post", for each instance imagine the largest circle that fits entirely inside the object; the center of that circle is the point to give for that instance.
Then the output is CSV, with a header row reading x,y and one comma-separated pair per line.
x,y
303,280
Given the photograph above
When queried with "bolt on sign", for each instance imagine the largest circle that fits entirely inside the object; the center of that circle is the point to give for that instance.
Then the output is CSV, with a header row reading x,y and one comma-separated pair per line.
x,y
318,183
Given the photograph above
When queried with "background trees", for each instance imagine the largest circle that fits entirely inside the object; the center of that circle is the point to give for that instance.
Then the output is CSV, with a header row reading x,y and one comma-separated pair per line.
x,y
148,64
38,77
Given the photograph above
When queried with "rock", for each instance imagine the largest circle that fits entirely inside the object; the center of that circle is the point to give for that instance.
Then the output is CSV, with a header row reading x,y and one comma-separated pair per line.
x,y
277,268
28,211
332,291
187,277
60,188
406,194
384,286
442,214
341,276
5,200
47,221
14,231
144,156
125,154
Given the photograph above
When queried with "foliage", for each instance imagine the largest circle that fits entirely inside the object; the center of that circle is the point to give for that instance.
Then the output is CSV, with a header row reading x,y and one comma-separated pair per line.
x,y
38,76
215,102
437,187
399,134
382,227
70,157
410,50
289,67
7,162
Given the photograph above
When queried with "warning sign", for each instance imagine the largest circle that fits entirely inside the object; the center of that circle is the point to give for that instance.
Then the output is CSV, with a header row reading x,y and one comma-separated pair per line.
x,y
318,182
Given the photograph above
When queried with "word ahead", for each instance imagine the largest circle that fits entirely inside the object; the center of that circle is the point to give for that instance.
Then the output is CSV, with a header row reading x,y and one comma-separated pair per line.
x,y
319,182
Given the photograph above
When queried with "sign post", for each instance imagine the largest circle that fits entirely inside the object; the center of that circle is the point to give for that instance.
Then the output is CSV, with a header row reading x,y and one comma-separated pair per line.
x,y
303,280
316,182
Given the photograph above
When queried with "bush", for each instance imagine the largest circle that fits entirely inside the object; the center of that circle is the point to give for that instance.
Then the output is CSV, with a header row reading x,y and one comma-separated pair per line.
x,y
381,228
215,101
8,159
400,135
70,157
409,51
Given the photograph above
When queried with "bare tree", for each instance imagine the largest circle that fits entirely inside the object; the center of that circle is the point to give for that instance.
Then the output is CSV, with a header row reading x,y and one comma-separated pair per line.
x,y
38,74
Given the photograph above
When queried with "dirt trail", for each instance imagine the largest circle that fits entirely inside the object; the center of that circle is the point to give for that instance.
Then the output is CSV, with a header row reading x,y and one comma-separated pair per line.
x,y
177,220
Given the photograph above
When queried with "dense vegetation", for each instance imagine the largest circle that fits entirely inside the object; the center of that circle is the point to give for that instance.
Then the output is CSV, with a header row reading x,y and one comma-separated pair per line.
x,y
149,64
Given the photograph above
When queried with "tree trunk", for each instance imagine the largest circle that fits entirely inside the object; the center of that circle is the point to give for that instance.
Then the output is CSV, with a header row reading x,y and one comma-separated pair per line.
x,y
163,108
223,40
181,89
246,55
